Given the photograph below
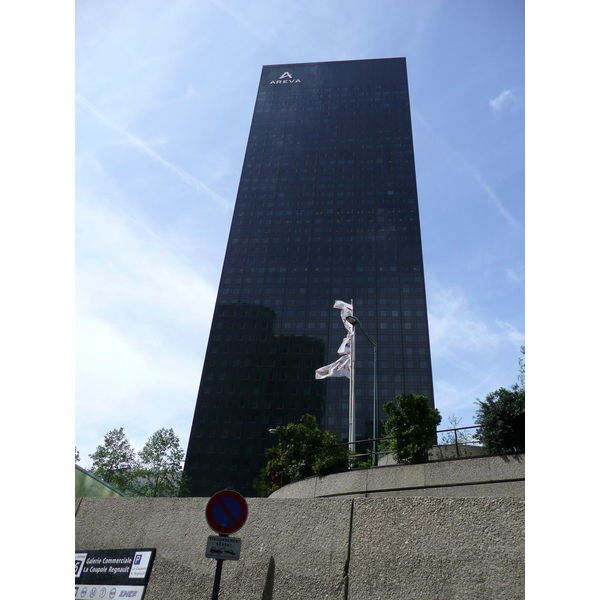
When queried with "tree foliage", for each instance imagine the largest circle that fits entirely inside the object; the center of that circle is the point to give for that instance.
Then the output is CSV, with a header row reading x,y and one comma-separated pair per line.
x,y
501,417
302,449
115,460
156,470
160,465
412,424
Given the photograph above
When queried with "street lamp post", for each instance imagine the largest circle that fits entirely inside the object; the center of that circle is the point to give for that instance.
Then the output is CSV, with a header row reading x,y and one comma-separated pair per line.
x,y
356,323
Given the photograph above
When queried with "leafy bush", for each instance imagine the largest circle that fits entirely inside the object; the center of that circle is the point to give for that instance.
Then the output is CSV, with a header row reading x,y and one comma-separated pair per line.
x,y
412,424
501,420
501,417
302,450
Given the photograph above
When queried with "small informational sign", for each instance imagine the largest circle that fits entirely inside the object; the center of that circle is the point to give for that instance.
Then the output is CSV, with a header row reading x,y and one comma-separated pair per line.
x,y
223,547
112,573
226,512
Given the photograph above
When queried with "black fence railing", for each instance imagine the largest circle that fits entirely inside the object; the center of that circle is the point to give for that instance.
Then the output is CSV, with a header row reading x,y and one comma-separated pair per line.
x,y
449,447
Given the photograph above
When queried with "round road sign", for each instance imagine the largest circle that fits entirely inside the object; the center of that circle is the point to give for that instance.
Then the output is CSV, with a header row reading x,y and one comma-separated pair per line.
x,y
226,511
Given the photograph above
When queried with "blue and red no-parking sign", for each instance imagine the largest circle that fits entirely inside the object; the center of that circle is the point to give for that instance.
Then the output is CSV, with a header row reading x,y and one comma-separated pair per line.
x,y
226,512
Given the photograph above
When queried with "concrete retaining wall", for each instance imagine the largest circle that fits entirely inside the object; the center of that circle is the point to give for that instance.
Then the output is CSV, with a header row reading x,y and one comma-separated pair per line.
x,y
438,548
334,548
292,548
478,476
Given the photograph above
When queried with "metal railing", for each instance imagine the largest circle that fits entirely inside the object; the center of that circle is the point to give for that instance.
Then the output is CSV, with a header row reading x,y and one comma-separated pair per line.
x,y
467,440
362,456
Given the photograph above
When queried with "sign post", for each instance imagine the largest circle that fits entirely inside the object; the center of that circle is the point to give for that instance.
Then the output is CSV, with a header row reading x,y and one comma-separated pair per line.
x,y
226,512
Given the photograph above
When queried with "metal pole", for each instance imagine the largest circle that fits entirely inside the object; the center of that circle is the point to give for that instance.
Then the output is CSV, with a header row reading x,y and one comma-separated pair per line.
x,y
217,584
374,402
354,321
351,418
456,443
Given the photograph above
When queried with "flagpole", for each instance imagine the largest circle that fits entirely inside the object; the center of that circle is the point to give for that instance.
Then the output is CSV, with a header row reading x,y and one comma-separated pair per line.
x,y
351,425
344,366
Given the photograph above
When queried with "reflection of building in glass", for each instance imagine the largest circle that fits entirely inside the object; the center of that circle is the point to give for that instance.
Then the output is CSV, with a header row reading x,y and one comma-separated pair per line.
x,y
326,210
252,382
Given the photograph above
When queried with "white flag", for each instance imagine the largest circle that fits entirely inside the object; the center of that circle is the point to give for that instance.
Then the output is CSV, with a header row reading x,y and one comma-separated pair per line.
x,y
346,310
345,347
341,367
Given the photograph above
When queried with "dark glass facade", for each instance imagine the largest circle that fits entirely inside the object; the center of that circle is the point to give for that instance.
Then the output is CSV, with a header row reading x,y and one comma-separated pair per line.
x,y
326,210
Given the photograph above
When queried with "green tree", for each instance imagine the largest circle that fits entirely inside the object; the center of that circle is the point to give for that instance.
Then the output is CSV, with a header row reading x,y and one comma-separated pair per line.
x,y
521,375
115,461
412,424
501,417
160,466
77,458
302,449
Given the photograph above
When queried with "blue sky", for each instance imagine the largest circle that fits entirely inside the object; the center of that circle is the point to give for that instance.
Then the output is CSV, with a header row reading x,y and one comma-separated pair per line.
x,y
164,94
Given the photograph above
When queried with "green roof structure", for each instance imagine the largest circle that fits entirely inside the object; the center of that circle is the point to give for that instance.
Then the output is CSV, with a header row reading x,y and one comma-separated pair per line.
x,y
88,485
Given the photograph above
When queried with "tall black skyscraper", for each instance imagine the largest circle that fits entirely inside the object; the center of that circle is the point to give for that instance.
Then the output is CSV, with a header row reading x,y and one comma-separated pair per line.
x,y
326,210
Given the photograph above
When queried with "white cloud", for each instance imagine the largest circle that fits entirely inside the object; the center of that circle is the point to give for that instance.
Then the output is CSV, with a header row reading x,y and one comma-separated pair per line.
x,y
492,195
126,383
511,333
456,331
507,99
452,324
468,351
421,120
244,22
122,261
516,276
142,321
451,398
458,156
183,175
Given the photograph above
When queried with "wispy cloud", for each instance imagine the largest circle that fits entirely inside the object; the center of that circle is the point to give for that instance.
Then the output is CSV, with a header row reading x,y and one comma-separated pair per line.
x,y
492,195
517,276
142,315
507,99
183,175
117,380
476,174
511,333
454,327
421,120
465,343
452,324
258,34
120,269
148,231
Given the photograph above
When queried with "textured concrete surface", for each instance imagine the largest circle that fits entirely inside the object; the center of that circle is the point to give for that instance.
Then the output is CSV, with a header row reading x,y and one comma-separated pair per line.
x,y
351,482
301,489
485,476
396,477
334,548
290,549
437,548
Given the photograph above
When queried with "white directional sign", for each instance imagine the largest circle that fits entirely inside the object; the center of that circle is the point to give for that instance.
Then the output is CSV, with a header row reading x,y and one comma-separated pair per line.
x,y
225,548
